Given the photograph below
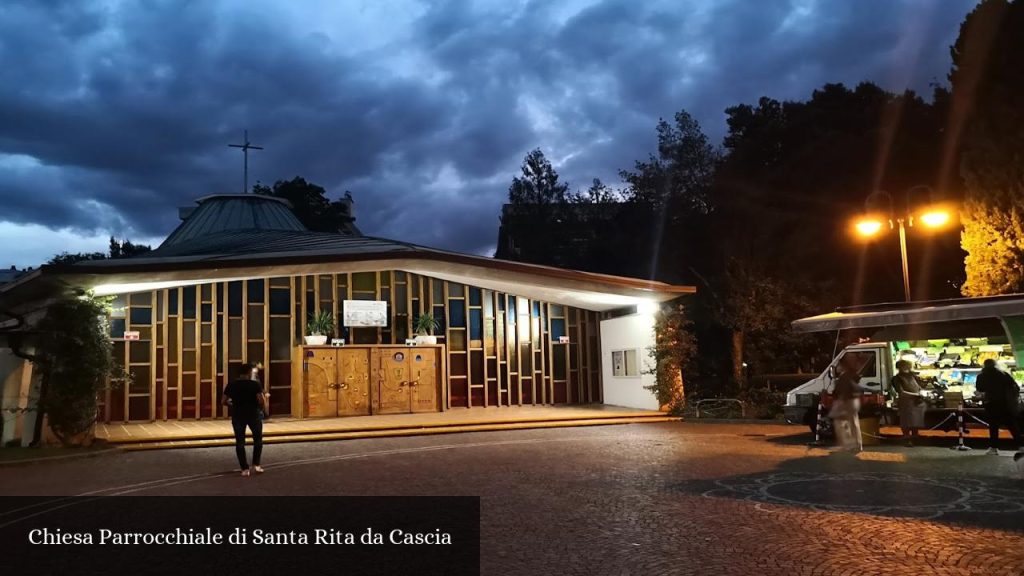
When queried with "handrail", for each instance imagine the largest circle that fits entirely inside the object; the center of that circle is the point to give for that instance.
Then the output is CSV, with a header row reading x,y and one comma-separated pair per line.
x,y
743,412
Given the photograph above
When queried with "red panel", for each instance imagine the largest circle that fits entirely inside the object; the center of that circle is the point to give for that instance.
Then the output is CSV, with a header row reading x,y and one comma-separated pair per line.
x,y
117,405
281,402
527,390
458,364
138,408
280,382
478,396
159,399
513,390
492,393
172,405
281,374
560,395
458,392
188,385
206,400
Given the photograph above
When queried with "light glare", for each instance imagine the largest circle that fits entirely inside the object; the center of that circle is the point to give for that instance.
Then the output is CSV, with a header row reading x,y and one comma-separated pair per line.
x,y
868,227
935,218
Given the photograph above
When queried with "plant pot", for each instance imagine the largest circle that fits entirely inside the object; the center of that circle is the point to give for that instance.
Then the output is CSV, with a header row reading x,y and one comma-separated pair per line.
x,y
425,340
316,340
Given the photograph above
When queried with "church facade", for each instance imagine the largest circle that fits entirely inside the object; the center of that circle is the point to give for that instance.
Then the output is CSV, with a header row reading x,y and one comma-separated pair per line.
x,y
239,278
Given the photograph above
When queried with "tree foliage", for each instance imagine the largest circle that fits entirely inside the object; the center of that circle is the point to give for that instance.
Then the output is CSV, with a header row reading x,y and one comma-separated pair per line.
x,y
673,357
681,172
122,249
310,204
73,358
761,228
538,184
988,91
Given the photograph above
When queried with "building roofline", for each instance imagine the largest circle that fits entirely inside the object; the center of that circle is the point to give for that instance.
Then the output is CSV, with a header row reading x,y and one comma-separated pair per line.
x,y
124,266
246,196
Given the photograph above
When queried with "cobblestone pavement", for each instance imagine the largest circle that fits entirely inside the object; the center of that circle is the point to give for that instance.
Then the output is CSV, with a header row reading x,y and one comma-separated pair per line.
x,y
673,498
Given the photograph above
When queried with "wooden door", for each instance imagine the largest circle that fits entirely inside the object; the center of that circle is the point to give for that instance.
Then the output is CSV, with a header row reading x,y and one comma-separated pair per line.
x,y
353,382
423,370
393,382
320,367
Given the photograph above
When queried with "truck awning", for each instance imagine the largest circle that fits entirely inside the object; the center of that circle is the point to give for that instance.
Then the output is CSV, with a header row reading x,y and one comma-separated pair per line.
x,y
996,308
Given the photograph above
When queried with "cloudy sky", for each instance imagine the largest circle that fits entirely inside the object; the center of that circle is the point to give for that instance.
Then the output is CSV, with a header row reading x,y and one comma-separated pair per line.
x,y
112,114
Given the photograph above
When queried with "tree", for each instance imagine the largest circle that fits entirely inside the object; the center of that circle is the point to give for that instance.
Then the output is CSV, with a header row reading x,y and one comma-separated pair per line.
x,y
311,205
682,171
597,193
673,354
123,249
538,185
987,81
793,175
74,360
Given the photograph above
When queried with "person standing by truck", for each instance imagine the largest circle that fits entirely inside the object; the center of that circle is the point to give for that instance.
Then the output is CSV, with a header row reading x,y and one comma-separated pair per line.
x,y
910,401
1001,403
845,413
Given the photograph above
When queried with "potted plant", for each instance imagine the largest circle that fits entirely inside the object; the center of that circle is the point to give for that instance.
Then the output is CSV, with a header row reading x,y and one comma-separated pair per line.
x,y
320,326
425,326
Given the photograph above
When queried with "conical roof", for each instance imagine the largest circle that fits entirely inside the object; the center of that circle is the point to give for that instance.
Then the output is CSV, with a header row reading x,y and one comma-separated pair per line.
x,y
232,213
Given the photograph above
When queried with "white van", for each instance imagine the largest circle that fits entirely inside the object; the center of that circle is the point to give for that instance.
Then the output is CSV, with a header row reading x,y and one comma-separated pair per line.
x,y
947,368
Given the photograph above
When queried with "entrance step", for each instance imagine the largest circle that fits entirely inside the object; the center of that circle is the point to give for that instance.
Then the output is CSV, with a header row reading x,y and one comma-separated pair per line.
x,y
389,432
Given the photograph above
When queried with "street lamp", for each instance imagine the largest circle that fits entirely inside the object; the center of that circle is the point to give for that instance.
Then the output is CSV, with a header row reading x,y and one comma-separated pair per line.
x,y
930,215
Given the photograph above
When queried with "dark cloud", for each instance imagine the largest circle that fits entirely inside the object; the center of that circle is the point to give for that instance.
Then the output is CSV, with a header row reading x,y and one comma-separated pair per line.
x,y
113,114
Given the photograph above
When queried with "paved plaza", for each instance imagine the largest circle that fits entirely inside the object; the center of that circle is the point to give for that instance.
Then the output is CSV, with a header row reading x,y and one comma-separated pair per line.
x,y
665,498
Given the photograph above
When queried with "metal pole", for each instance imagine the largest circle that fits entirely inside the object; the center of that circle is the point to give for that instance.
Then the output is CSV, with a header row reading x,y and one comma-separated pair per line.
x,y
903,256
245,179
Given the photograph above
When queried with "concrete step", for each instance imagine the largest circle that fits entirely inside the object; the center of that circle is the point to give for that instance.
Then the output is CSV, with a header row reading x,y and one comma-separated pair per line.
x,y
392,432
280,428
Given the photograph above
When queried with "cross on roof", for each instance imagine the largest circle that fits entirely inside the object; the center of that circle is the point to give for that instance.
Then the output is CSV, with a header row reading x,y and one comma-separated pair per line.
x,y
245,152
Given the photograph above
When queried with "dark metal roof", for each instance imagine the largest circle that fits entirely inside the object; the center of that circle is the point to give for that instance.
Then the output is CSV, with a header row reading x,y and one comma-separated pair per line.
x,y
234,212
9,275
262,242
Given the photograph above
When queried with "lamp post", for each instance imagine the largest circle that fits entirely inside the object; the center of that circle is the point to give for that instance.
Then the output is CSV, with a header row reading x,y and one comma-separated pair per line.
x,y
930,214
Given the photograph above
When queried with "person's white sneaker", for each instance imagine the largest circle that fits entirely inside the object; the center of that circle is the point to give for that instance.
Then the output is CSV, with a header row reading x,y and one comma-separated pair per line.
x,y
992,452
245,472
258,469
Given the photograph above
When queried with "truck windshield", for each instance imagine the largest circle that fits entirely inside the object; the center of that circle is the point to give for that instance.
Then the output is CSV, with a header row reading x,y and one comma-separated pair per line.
x,y
863,361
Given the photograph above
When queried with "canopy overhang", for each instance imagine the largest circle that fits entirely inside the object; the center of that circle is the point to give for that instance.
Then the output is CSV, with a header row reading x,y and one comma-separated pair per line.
x,y
588,291
961,310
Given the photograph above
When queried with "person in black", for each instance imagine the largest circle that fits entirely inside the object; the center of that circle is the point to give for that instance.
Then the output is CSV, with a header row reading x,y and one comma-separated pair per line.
x,y
245,397
1001,406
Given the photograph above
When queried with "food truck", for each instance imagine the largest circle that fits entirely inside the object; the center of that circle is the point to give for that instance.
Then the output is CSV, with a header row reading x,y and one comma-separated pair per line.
x,y
946,342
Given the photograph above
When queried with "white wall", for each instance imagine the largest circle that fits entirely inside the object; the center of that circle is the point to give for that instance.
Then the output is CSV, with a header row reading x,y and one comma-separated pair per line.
x,y
635,331
14,395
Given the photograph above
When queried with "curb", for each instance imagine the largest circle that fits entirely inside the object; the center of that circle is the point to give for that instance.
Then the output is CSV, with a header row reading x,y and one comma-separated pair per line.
x,y
735,421
372,429
90,454
390,433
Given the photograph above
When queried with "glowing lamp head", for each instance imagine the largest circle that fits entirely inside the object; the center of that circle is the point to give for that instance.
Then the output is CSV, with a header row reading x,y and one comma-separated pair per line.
x,y
935,218
647,307
868,227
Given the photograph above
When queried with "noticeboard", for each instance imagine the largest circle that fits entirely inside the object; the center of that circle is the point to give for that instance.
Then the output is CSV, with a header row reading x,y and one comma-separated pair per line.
x,y
365,313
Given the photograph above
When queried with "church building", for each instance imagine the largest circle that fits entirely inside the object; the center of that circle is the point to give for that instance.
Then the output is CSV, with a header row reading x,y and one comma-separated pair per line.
x,y
239,279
